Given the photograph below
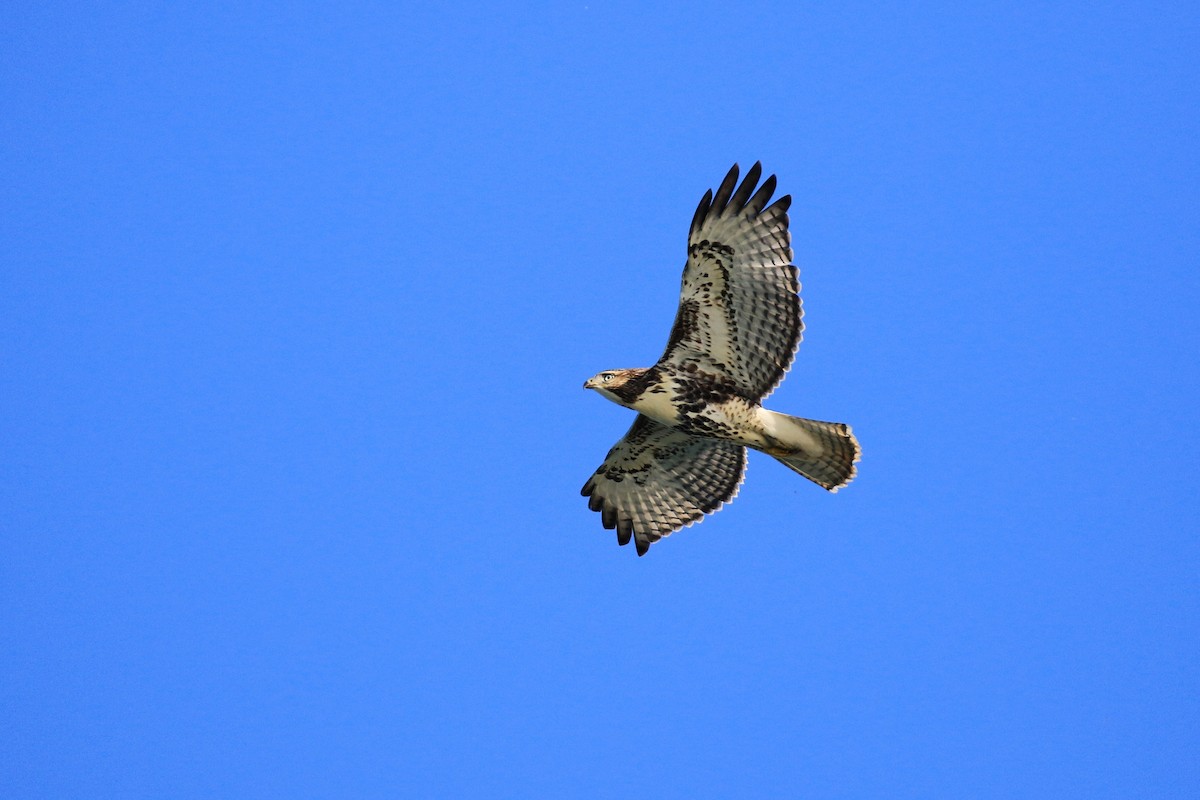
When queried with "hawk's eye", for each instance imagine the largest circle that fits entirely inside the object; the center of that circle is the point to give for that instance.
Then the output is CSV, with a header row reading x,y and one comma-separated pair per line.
x,y
606,377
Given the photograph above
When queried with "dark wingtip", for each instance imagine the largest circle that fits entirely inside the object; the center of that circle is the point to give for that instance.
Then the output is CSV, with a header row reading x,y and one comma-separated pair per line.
x,y
702,210
725,190
642,547
762,196
738,201
624,530
623,536
608,517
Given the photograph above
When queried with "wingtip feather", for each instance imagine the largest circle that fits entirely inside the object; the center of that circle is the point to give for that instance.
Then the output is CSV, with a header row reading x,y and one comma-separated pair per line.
x,y
760,199
721,199
624,530
738,201
702,210
608,517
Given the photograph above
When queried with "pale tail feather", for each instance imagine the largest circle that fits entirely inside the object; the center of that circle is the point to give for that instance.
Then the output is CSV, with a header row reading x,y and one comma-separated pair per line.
x,y
823,452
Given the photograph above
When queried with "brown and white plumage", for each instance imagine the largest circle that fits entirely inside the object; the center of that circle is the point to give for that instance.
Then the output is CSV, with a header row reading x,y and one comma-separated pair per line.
x,y
739,306
734,338
657,479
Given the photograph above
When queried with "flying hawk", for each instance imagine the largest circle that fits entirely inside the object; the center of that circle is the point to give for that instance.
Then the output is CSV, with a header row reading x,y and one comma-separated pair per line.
x,y
700,407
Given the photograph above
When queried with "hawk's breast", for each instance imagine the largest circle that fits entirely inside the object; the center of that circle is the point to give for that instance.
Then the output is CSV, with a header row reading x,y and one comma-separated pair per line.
x,y
658,403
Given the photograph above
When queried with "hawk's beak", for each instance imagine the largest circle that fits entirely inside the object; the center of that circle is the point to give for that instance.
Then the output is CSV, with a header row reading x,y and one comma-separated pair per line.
x,y
587,384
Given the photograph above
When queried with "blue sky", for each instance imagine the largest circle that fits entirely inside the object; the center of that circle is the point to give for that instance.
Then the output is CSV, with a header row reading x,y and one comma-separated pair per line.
x,y
295,306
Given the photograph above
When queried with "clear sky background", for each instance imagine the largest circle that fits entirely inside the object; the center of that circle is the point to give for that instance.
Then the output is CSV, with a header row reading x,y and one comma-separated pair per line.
x,y
296,302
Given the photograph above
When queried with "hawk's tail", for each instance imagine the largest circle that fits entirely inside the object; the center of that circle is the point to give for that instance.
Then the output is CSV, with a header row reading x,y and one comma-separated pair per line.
x,y
823,452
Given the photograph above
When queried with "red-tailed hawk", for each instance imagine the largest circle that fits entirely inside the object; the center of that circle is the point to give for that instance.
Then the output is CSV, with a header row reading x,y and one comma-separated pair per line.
x,y
700,407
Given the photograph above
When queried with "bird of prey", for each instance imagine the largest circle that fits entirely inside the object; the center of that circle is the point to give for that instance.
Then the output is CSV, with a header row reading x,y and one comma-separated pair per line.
x,y
700,407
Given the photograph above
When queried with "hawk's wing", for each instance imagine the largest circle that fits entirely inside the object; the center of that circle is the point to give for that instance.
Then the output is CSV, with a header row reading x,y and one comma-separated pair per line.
x,y
657,479
739,308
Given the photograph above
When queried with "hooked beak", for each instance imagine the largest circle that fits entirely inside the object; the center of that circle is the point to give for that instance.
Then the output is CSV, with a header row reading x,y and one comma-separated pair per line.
x,y
588,384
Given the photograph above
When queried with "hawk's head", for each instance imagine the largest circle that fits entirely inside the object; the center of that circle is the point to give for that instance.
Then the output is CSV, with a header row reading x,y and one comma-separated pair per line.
x,y
615,384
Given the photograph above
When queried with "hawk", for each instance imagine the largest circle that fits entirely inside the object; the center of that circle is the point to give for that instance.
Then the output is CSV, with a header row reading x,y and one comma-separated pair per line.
x,y
700,407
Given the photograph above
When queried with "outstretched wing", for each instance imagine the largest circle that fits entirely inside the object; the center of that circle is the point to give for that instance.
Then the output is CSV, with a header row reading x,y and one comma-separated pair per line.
x,y
739,308
658,479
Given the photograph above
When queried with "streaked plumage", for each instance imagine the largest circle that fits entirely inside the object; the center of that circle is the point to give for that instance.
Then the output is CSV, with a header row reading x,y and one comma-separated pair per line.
x,y
734,338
